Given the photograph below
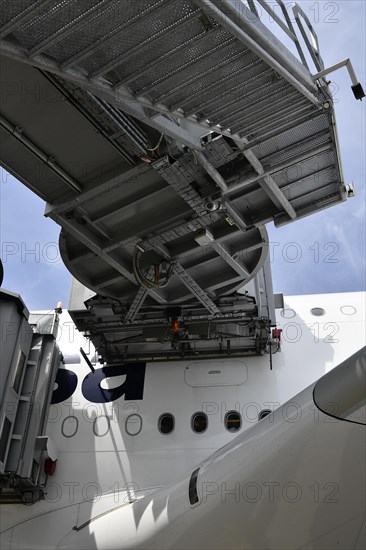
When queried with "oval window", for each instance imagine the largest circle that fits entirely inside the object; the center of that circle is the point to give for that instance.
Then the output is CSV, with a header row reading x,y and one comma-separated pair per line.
x,y
288,313
317,311
348,310
199,422
69,426
232,421
264,413
133,424
166,423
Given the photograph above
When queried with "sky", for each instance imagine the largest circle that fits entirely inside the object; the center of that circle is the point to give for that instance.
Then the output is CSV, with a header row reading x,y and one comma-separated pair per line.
x,y
319,254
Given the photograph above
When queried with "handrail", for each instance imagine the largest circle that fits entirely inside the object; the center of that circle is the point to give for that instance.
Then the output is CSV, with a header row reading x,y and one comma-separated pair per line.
x,y
288,28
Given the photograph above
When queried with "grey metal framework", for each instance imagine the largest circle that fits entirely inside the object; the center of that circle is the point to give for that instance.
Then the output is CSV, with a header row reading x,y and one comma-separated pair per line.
x,y
163,135
30,359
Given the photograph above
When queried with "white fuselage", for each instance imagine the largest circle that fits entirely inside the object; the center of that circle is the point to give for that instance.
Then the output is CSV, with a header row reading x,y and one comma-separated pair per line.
x,y
101,466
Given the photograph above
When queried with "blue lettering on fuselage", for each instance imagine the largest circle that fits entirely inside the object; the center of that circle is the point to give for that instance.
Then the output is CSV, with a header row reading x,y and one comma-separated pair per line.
x,y
132,387
66,381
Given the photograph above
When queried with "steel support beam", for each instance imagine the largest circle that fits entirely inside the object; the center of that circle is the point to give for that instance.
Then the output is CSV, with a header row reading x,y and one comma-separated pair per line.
x,y
307,141
185,190
234,214
177,231
154,196
310,209
138,300
123,99
18,134
85,236
268,184
207,239
346,63
81,108
304,156
211,170
109,186
125,126
139,107
107,282
313,175
235,281
195,289
136,305
309,193
112,326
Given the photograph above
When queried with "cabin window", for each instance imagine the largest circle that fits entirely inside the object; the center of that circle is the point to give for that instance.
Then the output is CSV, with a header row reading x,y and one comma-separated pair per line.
x,y
166,423
133,424
232,421
317,311
263,413
199,422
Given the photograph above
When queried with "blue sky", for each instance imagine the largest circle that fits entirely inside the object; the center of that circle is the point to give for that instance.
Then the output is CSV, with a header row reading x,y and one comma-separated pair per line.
x,y
331,244
322,253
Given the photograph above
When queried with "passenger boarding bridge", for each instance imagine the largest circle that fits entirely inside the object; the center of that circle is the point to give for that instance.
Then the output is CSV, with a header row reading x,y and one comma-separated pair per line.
x,y
163,135
30,359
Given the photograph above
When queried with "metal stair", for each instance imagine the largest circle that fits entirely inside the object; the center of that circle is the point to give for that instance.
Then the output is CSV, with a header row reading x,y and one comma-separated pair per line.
x,y
175,127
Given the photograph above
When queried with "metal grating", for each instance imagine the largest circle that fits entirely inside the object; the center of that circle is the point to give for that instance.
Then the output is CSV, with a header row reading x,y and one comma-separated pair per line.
x,y
316,123
219,152
297,189
167,49
104,28
189,117
48,19
211,56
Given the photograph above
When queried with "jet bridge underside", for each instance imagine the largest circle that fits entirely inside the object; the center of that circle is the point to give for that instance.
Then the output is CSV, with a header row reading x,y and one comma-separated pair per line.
x,y
163,135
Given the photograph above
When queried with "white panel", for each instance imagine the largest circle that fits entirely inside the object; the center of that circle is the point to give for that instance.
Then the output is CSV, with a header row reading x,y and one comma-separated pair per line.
x,y
42,531
216,373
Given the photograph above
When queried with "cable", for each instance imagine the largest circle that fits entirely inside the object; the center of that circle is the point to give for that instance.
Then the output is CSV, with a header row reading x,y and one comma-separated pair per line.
x,y
141,277
170,153
157,145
